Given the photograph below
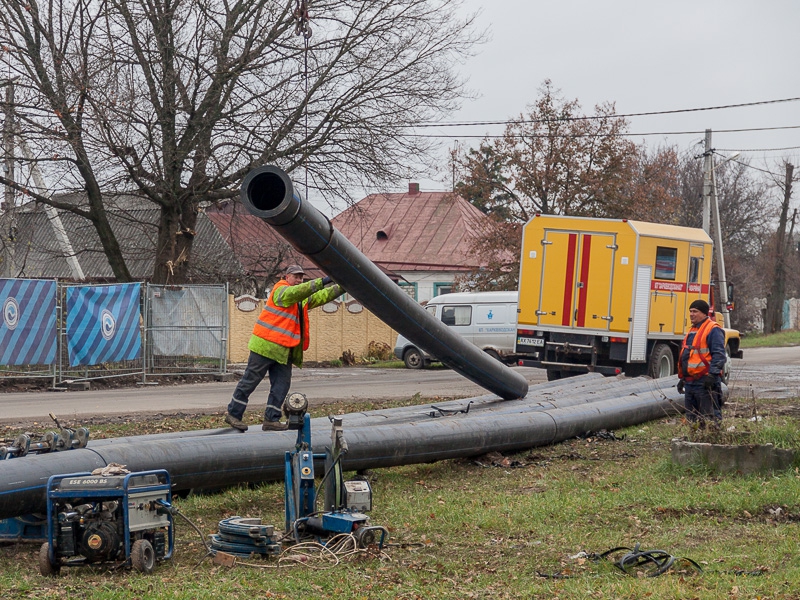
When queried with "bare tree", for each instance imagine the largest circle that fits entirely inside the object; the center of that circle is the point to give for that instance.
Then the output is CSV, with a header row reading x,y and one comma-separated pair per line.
x,y
552,160
177,100
557,160
773,320
747,214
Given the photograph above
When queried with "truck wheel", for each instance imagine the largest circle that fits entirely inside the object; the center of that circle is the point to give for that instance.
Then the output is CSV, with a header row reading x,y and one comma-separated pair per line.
x,y
493,354
553,374
413,359
143,556
46,568
662,362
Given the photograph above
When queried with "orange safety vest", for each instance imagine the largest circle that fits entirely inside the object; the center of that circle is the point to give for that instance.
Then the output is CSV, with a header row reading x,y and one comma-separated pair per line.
x,y
699,352
282,325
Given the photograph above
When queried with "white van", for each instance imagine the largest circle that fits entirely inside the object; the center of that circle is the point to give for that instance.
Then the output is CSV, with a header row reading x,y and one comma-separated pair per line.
x,y
487,319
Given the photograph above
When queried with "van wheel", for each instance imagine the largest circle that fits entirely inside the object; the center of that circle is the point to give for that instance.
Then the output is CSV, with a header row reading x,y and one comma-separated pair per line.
x,y
413,359
553,374
725,374
493,354
662,362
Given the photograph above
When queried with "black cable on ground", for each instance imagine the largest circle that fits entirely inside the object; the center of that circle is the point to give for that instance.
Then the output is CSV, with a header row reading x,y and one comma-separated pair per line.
x,y
651,563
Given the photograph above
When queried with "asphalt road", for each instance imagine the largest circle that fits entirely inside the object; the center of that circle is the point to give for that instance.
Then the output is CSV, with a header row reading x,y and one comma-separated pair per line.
x,y
773,372
319,385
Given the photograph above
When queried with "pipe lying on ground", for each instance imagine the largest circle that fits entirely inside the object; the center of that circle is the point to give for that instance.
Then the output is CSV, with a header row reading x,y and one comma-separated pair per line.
x,y
267,192
229,458
582,389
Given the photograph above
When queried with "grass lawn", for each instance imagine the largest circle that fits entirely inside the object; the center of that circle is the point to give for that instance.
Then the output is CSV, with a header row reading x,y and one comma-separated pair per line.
x,y
782,339
518,526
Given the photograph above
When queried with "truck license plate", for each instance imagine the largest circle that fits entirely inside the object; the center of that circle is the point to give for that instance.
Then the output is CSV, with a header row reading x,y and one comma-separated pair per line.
x,y
530,341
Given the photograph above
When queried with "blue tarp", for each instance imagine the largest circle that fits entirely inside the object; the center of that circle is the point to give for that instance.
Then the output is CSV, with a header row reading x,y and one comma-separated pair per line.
x,y
103,324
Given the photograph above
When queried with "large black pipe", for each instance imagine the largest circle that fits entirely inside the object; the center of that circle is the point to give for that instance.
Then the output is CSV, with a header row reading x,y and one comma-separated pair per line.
x,y
268,193
228,458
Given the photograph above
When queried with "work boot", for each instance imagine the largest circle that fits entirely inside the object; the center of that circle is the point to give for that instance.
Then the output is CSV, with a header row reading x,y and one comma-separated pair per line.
x,y
274,426
235,423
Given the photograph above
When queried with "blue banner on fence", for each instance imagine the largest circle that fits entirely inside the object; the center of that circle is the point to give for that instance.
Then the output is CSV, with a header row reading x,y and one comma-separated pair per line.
x,y
103,324
28,326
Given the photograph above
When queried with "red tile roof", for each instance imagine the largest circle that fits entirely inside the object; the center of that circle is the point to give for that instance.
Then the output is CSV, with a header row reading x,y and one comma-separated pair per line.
x,y
425,231
254,242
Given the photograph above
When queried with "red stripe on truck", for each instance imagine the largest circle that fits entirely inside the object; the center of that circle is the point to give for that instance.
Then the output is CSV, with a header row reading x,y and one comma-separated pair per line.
x,y
569,281
586,249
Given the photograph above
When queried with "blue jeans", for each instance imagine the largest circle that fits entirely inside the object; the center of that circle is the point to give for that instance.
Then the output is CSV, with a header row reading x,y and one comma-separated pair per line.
x,y
702,404
280,379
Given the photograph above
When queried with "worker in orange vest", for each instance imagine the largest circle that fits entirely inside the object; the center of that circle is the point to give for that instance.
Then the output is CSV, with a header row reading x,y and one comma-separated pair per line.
x,y
279,338
701,361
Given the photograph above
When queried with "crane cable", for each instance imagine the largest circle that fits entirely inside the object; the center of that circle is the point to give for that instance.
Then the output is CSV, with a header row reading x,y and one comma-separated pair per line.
x,y
302,27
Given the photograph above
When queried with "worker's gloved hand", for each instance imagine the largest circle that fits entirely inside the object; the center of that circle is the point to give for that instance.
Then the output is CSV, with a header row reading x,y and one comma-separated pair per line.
x,y
681,387
326,280
709,381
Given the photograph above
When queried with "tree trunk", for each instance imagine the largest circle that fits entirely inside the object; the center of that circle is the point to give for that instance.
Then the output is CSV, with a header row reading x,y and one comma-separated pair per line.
x,y
773,321
176,234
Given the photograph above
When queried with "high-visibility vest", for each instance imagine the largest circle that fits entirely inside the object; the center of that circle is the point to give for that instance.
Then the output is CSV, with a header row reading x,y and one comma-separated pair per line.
x,y
699,352
282,325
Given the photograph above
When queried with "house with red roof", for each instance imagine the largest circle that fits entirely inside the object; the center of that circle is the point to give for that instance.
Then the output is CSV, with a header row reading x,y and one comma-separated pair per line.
x,y
424,238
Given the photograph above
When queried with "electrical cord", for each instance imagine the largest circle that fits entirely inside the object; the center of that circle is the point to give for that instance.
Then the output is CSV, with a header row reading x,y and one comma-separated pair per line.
x,y
325,556
643,563
651,563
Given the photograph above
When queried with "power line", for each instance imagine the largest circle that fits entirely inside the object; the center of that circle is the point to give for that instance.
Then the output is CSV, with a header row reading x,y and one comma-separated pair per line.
x,y
589,135
758,149
595,117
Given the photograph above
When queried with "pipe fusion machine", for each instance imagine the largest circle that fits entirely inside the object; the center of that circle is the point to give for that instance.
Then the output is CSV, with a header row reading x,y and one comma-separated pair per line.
x,y
344,502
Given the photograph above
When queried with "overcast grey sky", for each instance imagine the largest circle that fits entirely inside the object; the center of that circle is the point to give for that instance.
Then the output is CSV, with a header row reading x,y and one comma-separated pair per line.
x,y
643,56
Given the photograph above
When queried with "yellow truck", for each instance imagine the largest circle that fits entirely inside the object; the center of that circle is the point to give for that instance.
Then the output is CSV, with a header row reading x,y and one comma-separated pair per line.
x,y
610,295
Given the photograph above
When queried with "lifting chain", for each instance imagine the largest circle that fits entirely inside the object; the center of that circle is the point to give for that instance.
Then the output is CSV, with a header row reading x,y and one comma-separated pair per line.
x,y
301,17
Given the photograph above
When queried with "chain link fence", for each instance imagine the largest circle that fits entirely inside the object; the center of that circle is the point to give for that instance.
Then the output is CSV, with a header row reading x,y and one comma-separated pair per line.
x,y
181,330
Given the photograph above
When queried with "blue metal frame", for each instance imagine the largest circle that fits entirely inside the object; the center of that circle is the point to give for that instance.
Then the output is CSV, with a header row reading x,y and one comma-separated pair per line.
x,y
109,493
300,492
300,498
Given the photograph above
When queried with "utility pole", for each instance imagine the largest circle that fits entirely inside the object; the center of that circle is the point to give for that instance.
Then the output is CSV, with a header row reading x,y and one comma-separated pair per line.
x,y
7,239
52,215
711,210
708,169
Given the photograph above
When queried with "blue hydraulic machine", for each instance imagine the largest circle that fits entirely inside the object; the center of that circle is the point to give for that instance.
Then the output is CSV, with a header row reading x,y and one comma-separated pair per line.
x,y
345,502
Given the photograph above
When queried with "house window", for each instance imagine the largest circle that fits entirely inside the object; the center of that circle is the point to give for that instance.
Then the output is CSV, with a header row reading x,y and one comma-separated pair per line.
x,y
666,261
409,288
442,288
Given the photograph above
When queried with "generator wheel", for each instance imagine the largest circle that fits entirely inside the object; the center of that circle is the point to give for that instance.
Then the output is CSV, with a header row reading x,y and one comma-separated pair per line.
x,y
662,362
143,556
46,568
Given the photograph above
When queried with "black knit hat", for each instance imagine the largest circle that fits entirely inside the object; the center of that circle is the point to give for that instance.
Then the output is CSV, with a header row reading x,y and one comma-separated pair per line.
x,y
700,305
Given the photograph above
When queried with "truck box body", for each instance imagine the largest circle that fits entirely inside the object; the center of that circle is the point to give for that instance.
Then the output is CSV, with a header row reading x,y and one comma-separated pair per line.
x,y
606,294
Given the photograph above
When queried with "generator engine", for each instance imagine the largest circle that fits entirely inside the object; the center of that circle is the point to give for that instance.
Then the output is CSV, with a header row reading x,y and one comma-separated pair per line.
x,y
95,518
